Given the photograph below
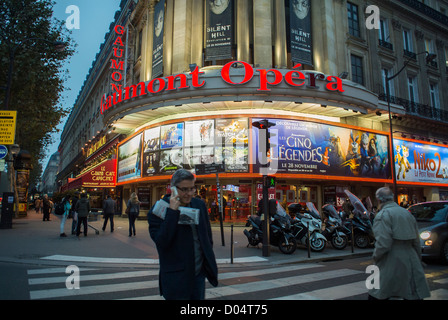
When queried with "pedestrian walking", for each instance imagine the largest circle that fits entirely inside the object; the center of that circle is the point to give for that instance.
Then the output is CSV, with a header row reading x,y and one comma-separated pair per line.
x,y
184,245
46,208
109,209
397,252
133,210
83,209
37,204
64,216
75,199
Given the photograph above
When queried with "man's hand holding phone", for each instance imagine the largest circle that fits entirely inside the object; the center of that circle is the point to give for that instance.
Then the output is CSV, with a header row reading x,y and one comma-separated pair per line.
x,y
174,200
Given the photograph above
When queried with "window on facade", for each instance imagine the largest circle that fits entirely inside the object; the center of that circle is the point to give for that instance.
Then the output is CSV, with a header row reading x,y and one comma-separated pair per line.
x,y
357,69
138,45
446,57
388,72
384,35
429,45
434,95
353,20
412,89
407,43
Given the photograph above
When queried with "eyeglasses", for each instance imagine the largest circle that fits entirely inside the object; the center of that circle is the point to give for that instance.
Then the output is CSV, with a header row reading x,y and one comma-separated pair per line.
x,y
186,190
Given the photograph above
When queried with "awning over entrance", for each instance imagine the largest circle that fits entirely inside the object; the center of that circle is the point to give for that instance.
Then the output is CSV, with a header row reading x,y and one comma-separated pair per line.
x,y
102,176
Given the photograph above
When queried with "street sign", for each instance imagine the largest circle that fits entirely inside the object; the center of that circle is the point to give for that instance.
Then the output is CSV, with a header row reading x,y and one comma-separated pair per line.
x,y
7,127
209,168
3,152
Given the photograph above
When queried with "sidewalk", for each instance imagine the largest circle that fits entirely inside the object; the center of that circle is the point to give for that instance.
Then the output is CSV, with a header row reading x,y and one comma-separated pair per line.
x,y
34,241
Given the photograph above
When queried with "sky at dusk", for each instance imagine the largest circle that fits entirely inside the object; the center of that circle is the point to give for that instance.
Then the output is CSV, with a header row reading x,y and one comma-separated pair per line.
x,y
95,18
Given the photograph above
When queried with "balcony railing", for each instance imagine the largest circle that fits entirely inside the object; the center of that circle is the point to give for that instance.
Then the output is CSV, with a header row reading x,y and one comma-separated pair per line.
x,y
418,109
386,44
426,10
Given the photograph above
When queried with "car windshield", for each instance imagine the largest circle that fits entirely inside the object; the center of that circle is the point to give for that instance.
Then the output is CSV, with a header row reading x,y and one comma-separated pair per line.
x,y
431,212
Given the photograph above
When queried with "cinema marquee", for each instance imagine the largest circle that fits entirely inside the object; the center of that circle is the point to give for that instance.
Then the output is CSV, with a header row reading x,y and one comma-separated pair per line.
x,y
268,78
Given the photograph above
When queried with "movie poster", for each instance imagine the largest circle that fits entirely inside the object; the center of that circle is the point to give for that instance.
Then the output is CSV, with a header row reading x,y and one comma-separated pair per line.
x,y
157,51
129,159
312,148
419,162
219,30
301,39
232,144
171,145
151,153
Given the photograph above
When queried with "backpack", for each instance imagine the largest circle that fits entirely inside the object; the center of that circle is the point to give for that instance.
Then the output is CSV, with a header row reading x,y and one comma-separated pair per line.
x,y
59,209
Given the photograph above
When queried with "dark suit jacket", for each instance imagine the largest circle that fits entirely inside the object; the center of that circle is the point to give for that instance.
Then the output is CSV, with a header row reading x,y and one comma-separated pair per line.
x,y
176,251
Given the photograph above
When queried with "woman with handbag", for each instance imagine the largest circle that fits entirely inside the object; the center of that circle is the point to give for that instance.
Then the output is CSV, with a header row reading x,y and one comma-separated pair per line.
x,y
133,210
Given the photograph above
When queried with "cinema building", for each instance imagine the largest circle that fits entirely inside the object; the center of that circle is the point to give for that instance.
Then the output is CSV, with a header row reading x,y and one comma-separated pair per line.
x,y
178,83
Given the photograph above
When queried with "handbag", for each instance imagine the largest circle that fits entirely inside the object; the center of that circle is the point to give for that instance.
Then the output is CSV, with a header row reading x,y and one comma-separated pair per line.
x,y
128,210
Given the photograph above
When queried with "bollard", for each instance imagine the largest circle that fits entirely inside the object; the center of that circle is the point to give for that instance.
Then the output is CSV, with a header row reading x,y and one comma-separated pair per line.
x,y
309,241
231,244
353,239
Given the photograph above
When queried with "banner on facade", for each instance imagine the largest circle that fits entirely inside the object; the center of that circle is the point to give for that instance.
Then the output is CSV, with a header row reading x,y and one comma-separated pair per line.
x,y
129,159
219,30
302,147
301,40
157,51
419,162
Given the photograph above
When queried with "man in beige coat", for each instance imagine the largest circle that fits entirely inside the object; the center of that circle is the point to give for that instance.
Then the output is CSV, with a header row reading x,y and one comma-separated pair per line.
x,y
397,252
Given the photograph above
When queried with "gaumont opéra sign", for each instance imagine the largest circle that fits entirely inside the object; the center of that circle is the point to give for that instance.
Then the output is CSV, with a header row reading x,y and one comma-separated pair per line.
x,y
267,78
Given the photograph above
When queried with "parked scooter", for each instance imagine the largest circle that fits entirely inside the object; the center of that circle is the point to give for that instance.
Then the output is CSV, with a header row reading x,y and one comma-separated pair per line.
x,y
308,222
362,224
334,228
280,230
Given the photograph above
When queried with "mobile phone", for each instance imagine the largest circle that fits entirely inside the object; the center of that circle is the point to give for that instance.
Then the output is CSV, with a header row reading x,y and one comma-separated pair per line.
x,y
174,192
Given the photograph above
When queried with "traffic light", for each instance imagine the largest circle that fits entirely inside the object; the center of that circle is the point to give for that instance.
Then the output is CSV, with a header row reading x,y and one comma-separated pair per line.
x,y
269,182
265,125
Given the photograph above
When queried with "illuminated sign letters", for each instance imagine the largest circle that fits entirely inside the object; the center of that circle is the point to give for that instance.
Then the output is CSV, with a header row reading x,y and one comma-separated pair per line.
x,y
293,78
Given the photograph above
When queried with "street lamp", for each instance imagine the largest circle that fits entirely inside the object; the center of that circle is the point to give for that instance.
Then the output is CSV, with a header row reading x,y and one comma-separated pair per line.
x,y
429,57
58,45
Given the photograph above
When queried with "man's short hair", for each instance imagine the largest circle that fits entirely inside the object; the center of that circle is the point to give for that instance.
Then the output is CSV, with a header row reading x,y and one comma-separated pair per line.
x,y
181,175
384,194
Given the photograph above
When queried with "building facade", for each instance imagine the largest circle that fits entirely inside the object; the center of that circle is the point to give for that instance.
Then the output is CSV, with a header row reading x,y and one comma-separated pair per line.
x,y
178,84
48,184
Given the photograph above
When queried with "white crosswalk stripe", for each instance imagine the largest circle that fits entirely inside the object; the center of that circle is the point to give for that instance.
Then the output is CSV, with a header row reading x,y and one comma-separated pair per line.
x,y
307,281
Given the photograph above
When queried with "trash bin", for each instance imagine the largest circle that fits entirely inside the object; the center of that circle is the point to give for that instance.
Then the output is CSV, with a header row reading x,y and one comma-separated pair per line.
x,y
7,210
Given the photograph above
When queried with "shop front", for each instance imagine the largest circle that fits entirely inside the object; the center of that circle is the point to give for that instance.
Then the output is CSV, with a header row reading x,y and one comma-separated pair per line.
x,y
306,156
206,117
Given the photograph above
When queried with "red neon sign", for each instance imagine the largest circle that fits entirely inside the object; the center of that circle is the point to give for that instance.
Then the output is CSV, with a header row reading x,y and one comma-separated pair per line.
x,y
293,78
117,76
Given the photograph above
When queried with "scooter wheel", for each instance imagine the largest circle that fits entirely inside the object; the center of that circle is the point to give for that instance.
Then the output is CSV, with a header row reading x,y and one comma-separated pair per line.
x,y
362,240
317,244
339,243
288,248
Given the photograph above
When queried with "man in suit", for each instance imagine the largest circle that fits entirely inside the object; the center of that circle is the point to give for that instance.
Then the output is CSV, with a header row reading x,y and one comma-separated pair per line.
x,y
185,250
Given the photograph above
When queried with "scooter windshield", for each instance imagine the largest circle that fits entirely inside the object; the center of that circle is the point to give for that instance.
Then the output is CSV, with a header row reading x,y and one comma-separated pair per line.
x,y
331,210
280,211
312,210
359,208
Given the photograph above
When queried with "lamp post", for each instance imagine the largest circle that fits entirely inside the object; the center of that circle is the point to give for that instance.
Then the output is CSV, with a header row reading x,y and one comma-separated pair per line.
x,y
58,45
429,58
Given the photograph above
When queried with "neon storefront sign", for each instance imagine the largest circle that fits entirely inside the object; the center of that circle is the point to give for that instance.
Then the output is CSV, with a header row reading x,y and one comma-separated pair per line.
x,y
268,78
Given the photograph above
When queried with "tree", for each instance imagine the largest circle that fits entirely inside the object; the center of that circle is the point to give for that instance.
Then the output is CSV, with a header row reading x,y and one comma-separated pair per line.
x,y
27,30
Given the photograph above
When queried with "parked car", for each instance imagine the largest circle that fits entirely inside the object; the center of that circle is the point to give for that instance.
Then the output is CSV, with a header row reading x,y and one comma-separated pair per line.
x,y
432,219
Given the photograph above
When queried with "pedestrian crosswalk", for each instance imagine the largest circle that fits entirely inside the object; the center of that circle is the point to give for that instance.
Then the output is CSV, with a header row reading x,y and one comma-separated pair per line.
x,y
307,281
